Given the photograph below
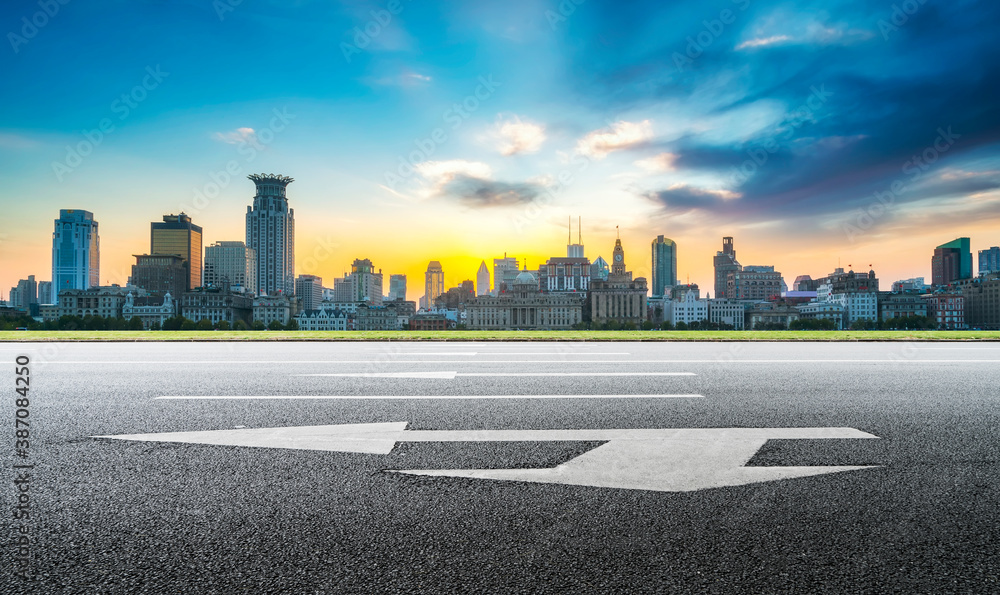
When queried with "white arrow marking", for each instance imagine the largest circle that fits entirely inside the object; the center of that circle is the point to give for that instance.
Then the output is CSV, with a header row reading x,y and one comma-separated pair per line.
x,y
663,460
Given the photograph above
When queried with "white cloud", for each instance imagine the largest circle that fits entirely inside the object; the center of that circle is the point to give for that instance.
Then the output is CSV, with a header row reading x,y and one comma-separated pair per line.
x,y
9,140
517,136
439,173
658,163
763,41
621,135
237,137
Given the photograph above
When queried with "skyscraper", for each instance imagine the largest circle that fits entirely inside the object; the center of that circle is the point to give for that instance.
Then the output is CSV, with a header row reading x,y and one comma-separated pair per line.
x,y
271,234
989,261
664,265
231,266
397,287
161,274
309,289
45,292
433,283
951,262
725,263
178,236
575,250
502,266
483,280
76,252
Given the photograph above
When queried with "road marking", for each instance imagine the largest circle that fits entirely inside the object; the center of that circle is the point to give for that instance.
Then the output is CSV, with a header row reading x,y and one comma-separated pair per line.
x,y
453,375
414,397
531,361
662,460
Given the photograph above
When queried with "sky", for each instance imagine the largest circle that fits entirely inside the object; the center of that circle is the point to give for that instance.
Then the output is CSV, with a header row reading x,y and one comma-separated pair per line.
x,y
816,133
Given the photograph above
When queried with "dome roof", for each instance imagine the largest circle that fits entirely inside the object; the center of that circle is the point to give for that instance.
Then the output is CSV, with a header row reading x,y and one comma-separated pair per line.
x,y
525,278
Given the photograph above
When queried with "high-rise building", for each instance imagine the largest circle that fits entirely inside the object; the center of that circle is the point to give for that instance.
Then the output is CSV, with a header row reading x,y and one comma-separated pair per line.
x,y
45,293
271,234
725,263
363,284
502,266
757,283
951,262
664,265
600,270
160,274
433,283
309,289
483,279
176,235
230,265
76,251
397,287
989,261
28,292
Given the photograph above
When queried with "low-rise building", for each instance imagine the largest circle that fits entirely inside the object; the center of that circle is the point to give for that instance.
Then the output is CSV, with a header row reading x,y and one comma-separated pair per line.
x,y
686,309
982,302
152,310
825,310
770,314
947,309
271,308
728,312
900,305
523,306
375,318
325,319
217,304
422,321
103,301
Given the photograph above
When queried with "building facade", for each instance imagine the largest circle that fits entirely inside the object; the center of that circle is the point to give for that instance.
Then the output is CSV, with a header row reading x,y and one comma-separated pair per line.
x,y
76,251
230,265
900,305
177,236
325,319
271,308
982,302
433,283
502,266
664,265
989,261
217,304
947,309
106,302
483,279
309,291
757,283
951,262
523,306
725,263
724,311
271,235
619,297
564,274
160,274
397,287
153,311
686,309
45,293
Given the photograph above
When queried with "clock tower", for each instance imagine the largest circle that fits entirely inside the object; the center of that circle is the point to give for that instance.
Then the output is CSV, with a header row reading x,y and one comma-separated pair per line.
x,y
618,256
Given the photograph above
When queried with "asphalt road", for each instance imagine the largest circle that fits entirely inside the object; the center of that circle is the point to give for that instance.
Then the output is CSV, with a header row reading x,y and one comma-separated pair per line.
x,y
129,516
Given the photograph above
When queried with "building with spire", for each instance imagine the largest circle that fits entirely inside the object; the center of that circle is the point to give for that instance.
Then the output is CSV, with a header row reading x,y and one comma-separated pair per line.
x,y
271,234
620,298
725,263
433,284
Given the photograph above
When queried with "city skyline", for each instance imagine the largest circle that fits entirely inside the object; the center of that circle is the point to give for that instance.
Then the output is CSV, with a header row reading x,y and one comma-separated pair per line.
x,y
458,133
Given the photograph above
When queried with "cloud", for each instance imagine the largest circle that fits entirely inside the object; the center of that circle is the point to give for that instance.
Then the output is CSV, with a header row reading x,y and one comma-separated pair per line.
x,y
761,42
478,192
621,135
9,140
239,136
658,163
516,136
681,198
471,183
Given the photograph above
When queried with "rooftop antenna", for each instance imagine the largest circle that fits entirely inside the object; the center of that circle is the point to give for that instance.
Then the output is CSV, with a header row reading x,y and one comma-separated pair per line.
x,y
618,233
579,229
569,235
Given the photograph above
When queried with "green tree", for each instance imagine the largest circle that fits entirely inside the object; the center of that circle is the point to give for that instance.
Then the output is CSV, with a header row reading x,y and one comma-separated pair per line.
x,y
258,325
681,326
135,324
629,326
205,325
240,325
275,325
188,325
647,325
293,325
224,325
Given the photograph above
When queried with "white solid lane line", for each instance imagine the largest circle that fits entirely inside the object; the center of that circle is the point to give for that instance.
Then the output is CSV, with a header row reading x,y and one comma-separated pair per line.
x,y
528,361
452,375
411,397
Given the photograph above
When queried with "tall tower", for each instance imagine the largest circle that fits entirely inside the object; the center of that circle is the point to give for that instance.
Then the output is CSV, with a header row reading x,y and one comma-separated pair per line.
x,y
575,250
271,233
664,265
618,259
433,282
483,279
178,236
725,262
76,252
397,287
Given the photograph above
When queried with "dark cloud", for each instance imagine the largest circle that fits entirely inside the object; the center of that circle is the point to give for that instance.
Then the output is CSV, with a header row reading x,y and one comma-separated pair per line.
x,y
479,192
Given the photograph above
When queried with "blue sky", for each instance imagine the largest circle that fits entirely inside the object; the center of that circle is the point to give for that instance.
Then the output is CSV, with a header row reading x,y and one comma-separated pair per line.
x,y
458,131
